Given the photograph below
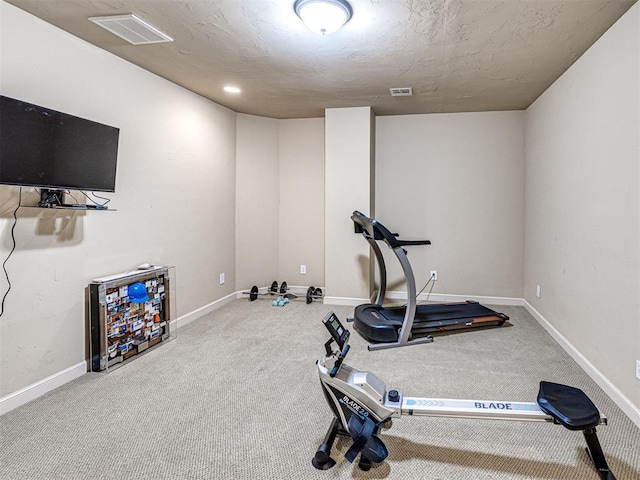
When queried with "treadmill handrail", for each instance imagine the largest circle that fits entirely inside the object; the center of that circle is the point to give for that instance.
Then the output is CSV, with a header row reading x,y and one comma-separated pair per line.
x,y
409,243
371,228
372,231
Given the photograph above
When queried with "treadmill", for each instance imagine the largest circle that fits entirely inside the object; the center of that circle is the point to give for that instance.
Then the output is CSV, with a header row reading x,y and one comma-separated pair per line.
x,y
389,327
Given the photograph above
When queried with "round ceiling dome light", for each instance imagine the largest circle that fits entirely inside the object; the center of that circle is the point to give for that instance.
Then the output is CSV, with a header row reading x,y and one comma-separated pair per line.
x,y
323,16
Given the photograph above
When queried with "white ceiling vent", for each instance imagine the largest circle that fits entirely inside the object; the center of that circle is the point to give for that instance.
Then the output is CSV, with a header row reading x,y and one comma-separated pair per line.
x,y
401,92
132,29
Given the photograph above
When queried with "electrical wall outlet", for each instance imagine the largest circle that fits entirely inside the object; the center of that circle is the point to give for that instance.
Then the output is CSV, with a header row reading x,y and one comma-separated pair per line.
x,y
638,369
434,275
538,291
303,269
221,278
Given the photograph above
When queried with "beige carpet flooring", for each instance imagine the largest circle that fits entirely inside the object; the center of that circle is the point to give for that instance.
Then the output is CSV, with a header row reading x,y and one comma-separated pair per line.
x,y
237,396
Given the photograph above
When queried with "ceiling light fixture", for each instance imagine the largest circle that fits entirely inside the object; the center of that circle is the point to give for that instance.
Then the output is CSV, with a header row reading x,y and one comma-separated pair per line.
x,y
323,16
230,89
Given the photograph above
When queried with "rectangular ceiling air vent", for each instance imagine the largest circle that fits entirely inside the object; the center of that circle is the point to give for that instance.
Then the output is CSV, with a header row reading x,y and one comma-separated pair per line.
x,y
132,29
401,92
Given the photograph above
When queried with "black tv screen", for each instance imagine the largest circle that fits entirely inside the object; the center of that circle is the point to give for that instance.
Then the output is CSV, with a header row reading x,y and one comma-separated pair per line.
x,y
40,147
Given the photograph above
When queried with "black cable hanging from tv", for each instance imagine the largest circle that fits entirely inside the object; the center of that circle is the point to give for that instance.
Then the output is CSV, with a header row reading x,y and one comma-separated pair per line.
x,y
13,239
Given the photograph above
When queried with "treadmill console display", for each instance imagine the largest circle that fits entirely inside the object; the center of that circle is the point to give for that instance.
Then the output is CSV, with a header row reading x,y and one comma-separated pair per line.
x,y
337,331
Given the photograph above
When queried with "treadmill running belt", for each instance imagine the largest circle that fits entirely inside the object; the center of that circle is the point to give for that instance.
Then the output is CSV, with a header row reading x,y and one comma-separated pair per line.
x,y
441,311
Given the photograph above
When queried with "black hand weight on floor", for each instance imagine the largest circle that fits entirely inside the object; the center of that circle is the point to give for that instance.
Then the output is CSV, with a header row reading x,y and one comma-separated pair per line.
x,y
253,293
310,291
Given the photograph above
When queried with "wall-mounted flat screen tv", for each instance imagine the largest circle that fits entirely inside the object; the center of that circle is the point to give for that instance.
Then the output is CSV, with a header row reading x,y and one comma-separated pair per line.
x,y
40,147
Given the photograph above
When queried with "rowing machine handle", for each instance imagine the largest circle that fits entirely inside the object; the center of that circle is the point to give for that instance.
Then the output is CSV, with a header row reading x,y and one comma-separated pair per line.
x,y
336,367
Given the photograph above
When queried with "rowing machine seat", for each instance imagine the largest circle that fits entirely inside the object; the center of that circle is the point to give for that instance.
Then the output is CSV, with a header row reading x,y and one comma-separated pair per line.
x,y
569,406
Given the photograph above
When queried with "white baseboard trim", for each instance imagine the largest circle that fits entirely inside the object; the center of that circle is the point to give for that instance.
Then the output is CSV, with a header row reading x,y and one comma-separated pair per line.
x,y
350,302
423,297
199,312
35,390
603,382
440,297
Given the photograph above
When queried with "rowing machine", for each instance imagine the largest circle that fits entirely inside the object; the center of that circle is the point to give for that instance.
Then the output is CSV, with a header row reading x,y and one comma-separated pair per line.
x,y
361,405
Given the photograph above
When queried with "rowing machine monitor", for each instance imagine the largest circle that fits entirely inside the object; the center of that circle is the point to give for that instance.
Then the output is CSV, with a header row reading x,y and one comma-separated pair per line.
x,y
337,331
340,335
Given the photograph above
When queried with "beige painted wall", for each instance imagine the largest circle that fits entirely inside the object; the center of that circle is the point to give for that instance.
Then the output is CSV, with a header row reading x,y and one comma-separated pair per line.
x,y
301,221
348,174
582,214
280,201
457,180
257,201
175,196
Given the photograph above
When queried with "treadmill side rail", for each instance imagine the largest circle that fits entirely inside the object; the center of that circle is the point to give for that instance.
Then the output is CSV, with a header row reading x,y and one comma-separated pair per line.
x,y
413,341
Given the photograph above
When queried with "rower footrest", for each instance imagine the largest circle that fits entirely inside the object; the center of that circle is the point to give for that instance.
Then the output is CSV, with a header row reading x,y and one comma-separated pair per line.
x,y
569,406
365,441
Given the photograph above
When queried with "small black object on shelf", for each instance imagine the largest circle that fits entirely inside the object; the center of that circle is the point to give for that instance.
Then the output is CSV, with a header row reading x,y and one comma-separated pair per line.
x,y
50,198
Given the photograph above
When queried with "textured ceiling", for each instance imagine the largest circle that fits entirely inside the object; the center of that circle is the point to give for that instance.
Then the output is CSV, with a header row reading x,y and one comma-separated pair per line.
x,y
457,55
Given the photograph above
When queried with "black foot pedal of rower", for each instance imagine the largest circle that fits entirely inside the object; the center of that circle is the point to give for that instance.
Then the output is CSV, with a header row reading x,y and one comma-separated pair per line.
x,y
365,442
